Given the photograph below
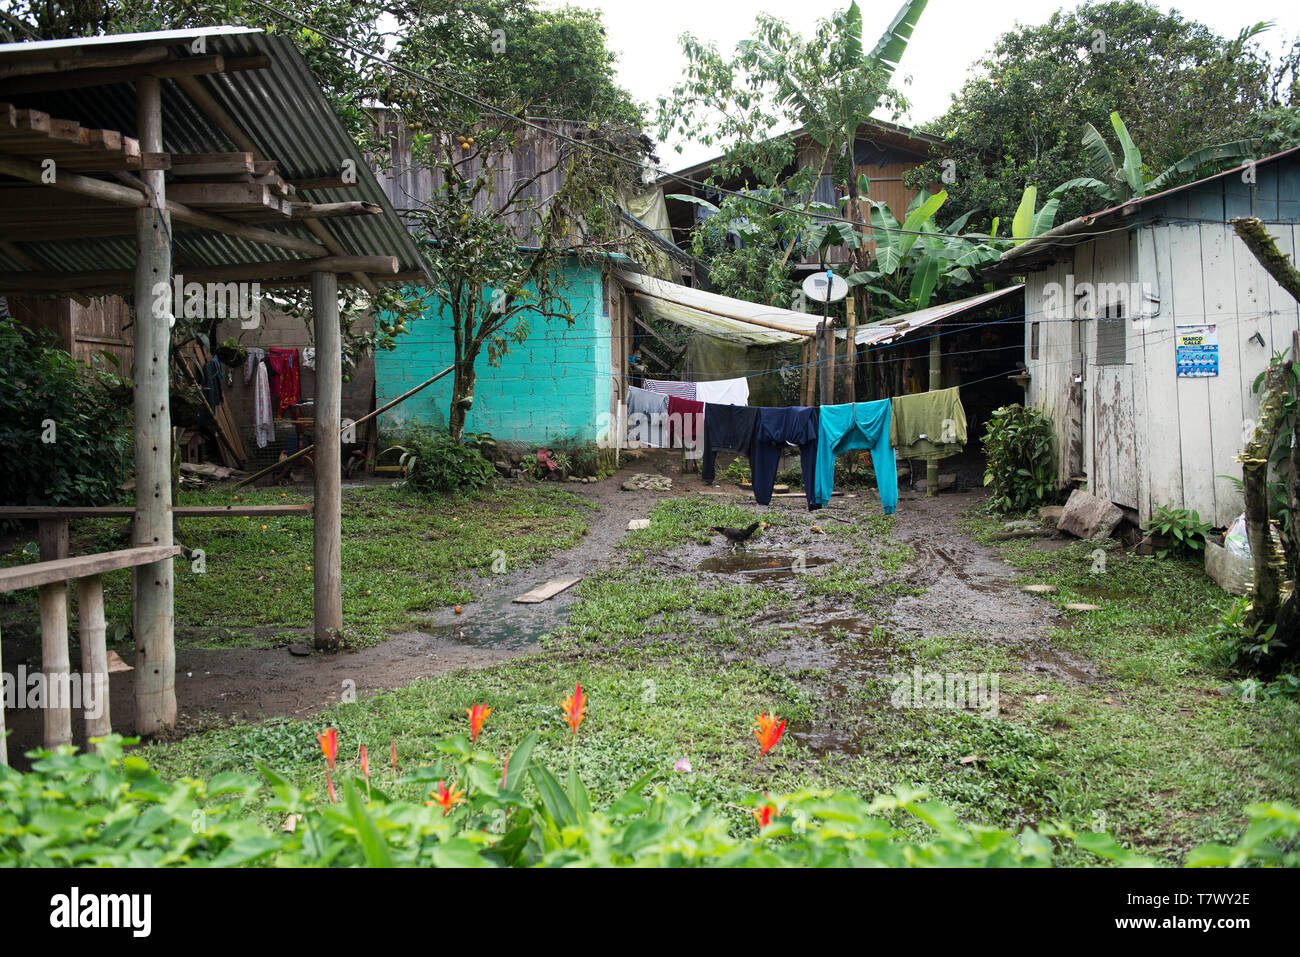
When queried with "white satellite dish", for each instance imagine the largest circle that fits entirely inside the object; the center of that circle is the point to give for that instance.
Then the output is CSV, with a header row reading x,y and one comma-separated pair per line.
x,y
815,287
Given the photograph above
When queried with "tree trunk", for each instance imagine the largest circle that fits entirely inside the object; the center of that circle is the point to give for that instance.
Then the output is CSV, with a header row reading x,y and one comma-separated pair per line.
x,y
462,397
1267,584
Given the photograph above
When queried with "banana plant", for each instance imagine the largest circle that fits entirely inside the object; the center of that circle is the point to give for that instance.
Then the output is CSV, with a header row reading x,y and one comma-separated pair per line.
x,y
1122,181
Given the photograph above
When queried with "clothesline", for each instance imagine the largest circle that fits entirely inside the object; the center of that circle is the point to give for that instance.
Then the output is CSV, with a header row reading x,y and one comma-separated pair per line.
x,y
928,425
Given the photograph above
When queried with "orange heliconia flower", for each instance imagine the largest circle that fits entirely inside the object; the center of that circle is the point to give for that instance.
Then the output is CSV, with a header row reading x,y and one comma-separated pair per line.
x,y
446,798
365,763
768,730
763,815
329,744
477,715
575,708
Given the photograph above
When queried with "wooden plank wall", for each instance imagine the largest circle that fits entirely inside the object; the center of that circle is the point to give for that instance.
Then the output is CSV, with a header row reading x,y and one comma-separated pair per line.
x,y
103,326
1185,433
409,185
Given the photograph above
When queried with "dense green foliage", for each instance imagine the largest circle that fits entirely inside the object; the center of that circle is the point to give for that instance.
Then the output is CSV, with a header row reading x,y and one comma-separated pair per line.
x,y
110,809
1020,118
436,464
1021,467
64,428
1181,527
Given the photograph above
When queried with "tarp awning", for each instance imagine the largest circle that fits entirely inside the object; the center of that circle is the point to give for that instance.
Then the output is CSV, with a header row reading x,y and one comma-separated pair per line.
x,y
707,312
889,329
756,324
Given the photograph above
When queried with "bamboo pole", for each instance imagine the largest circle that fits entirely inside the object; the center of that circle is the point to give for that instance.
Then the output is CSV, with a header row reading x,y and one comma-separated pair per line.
x,y
851,350
361,421
91,631
154,613
327,527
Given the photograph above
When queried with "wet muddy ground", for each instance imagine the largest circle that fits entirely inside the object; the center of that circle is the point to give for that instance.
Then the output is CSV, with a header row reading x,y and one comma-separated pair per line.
x,y
922,579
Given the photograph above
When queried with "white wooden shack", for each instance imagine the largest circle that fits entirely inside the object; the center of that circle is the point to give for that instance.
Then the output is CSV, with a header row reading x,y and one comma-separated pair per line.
x,y
1146,326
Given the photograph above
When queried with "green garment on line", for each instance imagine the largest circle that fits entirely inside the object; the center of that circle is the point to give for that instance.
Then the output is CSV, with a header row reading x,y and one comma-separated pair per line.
x,y
928,425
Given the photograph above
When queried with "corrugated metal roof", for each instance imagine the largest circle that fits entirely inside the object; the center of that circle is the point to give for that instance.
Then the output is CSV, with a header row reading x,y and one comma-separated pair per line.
x,y
899,326
1042,250
281,109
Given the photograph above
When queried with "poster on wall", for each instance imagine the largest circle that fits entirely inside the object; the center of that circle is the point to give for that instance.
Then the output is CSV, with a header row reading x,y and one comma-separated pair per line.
x,y
1197,351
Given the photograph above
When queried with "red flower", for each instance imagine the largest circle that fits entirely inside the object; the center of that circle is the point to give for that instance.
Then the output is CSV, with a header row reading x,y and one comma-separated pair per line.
x,y
477,715
763,815
394,755
329,744
768,730
365,763
447,799
329,783
575,708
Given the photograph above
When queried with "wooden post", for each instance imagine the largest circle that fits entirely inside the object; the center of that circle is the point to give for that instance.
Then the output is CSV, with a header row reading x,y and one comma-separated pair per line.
x,y
327,532
936,382
851,351
53,600
94,657
155,678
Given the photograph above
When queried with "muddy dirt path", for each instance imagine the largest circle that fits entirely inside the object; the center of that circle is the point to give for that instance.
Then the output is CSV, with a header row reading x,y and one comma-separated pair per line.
x,y
967,589
216,685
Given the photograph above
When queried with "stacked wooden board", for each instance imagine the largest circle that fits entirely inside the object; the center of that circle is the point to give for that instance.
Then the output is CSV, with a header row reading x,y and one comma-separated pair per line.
x,y
37,137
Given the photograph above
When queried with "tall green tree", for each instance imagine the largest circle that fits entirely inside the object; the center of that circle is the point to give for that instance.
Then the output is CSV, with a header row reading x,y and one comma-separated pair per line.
x,y
826,84
1018,120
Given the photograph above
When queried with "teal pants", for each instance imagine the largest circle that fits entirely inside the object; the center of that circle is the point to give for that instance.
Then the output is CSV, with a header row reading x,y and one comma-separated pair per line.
x,y
862,425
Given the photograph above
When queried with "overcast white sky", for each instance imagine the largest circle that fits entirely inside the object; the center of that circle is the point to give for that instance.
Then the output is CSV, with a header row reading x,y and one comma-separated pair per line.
x,y
950,36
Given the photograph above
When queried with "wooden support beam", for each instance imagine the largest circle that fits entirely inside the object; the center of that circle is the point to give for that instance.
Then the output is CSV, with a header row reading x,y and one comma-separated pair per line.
x,y
105,76
82,59
153,606
63,570
92,634
327,468
121,195
213,110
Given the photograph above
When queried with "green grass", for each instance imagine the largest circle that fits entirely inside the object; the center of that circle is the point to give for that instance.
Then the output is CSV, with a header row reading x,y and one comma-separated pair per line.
x,y
401,554
677,665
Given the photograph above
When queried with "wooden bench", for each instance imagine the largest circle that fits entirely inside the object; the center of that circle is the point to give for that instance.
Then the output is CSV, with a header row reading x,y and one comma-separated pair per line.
x,y
51,578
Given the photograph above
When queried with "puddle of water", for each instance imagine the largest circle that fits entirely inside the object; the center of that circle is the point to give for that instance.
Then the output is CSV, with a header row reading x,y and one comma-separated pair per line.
x,y
496,621
761,564
827,740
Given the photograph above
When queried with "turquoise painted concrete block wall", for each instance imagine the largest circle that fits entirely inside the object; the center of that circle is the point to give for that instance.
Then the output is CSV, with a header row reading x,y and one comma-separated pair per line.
x,y
556,384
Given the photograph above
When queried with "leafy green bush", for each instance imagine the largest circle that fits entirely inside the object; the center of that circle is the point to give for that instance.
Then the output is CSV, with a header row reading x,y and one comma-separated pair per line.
x,y
105,808
1021,466
1182,527
436,464
64,428
1237,643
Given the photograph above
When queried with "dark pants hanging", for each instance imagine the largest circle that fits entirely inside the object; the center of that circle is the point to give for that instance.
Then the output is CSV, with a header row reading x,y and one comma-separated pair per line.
x,y
778,429
727,428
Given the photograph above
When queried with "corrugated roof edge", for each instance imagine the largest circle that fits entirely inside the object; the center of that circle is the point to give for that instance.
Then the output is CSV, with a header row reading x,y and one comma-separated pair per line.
x,y
1032,254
